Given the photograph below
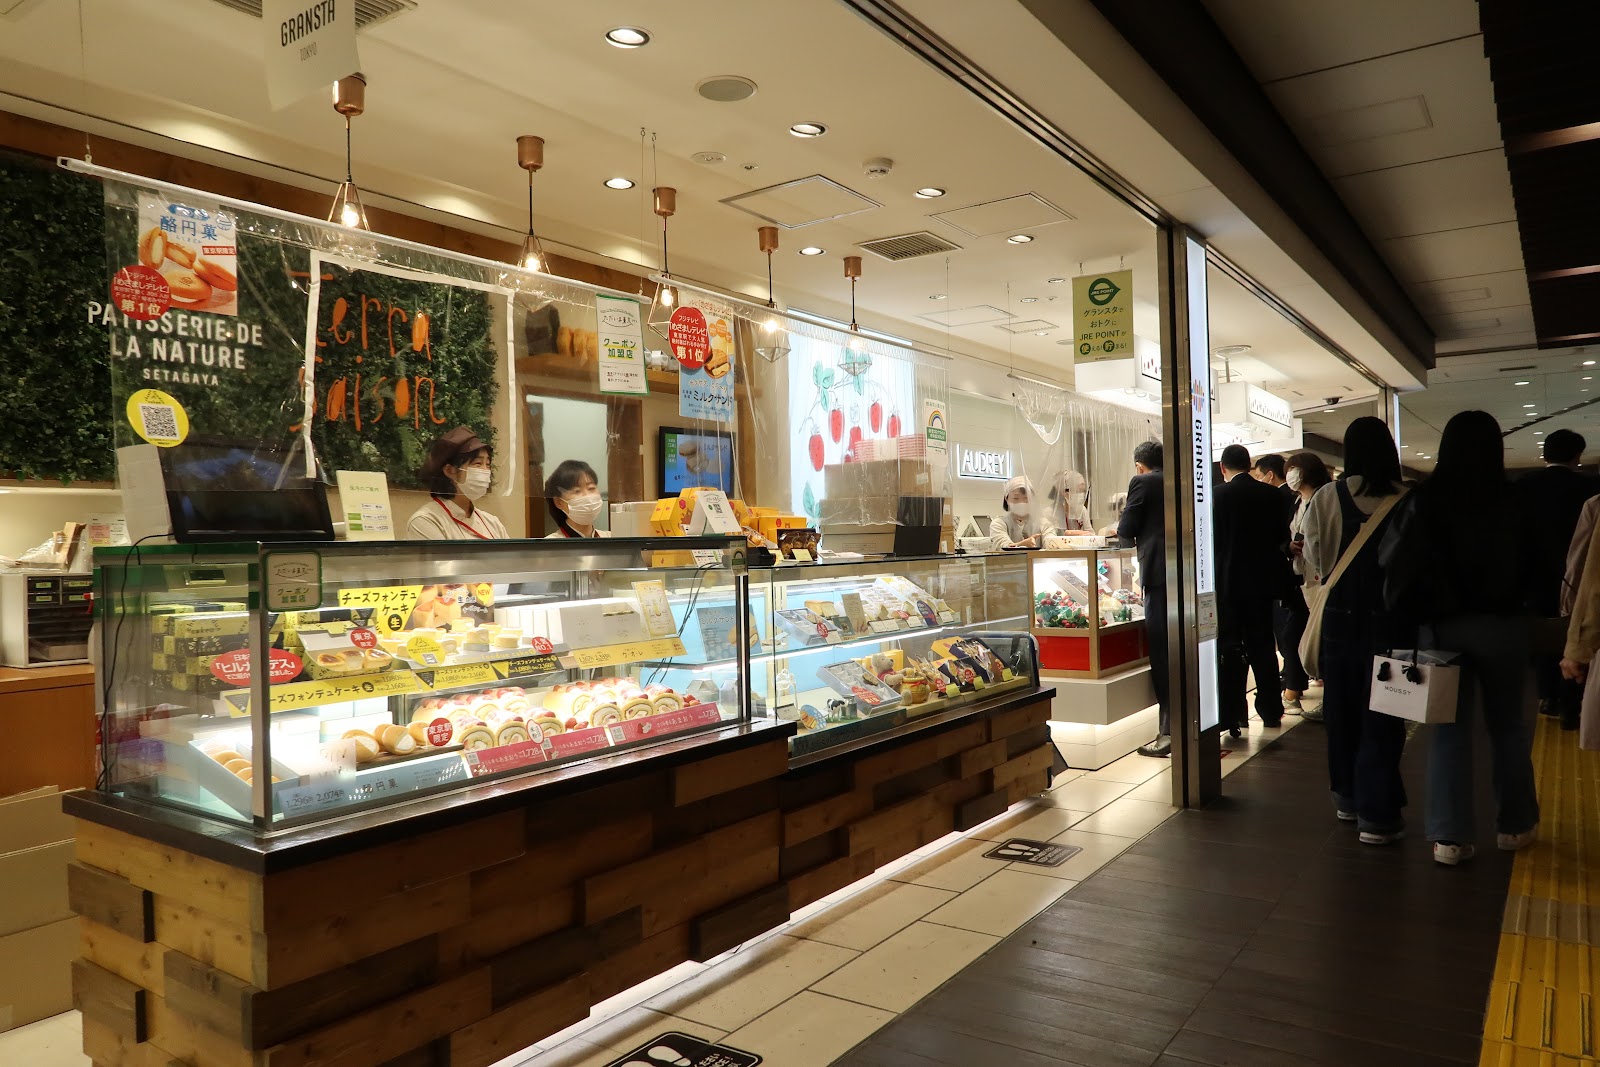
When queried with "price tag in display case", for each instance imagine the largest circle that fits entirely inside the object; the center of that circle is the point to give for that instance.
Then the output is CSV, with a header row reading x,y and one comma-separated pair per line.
x,y
628,652
668,722
485,761
528,666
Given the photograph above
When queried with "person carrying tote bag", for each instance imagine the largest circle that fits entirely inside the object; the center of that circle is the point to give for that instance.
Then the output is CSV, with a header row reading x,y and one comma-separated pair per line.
x,y
1317,595
1344,525
1437,589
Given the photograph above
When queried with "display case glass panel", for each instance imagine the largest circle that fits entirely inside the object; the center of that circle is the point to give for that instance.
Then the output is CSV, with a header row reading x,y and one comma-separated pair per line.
x,y
847,650
394,670
1088,611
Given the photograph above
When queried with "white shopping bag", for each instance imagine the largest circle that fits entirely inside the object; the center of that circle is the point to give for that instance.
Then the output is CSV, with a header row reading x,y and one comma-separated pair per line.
x,y
1417,685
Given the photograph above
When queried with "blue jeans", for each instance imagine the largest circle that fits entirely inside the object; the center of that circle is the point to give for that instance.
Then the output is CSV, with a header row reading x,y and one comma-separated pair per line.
x,y
1494,650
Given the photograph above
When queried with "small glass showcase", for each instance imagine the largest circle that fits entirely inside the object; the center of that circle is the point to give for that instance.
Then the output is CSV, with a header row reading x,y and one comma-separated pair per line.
x,y
393,670
850,649
1088,611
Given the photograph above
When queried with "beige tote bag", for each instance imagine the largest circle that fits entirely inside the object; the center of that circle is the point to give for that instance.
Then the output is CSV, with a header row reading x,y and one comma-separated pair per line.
x,y
1316,598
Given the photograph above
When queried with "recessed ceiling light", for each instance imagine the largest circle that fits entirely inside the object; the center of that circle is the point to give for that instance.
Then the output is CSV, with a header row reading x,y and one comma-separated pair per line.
x,y
812,250
1588,377
628,37
619,183
1588,363
1519,383
1054,281
929,193
938,296
1530,405
1030,300
1538,432
1326,410
1019,238
808,129
1042,333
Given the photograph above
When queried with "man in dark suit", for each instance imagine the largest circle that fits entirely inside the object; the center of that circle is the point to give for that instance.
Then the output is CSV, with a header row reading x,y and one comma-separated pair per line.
x,y
1274,472
1143,525
1554,495
1253,572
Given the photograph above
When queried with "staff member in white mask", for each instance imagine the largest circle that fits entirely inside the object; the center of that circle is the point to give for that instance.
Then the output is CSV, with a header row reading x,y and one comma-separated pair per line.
x,y
572,493
1018,525
1069,498
457,474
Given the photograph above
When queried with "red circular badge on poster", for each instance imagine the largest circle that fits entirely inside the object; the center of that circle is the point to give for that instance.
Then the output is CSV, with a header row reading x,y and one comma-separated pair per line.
x,y
140,292
689,338
439,732
363,638
541,645
233,668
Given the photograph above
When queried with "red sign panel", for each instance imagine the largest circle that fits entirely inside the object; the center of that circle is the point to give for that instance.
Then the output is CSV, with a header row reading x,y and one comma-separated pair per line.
x,y
576,742
234,667
504,758
689,337
663,725
140,292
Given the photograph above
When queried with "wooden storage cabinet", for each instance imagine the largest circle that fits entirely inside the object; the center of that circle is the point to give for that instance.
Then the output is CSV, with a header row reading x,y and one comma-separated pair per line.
x,y
481,922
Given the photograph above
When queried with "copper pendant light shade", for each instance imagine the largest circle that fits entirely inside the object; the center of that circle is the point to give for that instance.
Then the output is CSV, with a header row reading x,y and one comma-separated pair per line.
x,y
666,296
349,100
530,157
772,344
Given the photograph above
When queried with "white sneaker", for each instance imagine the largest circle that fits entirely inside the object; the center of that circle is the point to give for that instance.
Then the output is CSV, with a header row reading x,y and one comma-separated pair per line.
x,y
1451,854
1381,837
1292,707
1513,842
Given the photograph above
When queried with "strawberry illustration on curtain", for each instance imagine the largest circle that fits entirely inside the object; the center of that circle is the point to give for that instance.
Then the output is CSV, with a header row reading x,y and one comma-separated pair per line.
x,y
838,398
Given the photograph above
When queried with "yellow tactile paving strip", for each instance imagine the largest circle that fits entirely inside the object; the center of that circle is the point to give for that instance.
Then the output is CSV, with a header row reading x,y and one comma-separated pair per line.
x,y
1543,1010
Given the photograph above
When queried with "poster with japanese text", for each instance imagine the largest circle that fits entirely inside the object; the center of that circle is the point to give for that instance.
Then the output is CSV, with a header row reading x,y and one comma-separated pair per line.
x,y
193,246
621,347
703,346
1102,316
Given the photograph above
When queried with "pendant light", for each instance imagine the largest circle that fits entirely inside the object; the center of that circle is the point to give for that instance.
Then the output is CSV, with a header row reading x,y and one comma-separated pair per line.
x,y
773,343
349,100
530,157
666,298
856,360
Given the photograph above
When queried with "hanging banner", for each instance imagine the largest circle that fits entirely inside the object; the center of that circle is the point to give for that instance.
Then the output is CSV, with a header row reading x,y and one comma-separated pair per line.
x,y
1102,316
703,346
621,347
309,45
395,359
175,322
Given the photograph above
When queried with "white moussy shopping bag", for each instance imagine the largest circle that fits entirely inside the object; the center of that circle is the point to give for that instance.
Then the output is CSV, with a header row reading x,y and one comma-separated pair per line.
x,y
1416,685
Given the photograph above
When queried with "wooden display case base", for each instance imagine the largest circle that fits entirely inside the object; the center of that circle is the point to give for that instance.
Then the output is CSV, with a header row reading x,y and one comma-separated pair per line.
x,y
462,944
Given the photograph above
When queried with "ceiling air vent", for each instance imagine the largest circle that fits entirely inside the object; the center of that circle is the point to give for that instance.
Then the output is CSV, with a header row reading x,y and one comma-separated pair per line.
x,y
908,246
367,11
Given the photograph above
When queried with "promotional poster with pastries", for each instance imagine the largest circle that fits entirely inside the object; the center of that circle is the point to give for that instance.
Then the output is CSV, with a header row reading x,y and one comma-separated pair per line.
x,y
192,246
703,347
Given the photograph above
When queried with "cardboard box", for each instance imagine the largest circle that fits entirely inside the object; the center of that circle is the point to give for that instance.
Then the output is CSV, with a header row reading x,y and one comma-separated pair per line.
x,y
631,518
36,972
883,477
34,818
33,886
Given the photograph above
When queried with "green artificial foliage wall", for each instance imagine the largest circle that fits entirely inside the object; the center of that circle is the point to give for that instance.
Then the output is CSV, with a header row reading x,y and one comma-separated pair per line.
x,y
55,386
70,362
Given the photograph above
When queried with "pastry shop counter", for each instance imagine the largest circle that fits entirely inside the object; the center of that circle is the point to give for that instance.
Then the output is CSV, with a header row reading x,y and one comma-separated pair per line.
x,y
248,850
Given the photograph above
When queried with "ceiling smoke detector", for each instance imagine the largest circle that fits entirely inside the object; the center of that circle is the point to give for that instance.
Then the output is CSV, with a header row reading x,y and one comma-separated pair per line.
x,y
709,158
877,167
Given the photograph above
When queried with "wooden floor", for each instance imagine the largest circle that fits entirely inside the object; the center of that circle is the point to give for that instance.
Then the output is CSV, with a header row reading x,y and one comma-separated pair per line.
x,y
1256,932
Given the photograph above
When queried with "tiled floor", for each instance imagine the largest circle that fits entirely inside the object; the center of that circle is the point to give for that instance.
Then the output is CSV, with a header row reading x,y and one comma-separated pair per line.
x,y
850,964
1257,932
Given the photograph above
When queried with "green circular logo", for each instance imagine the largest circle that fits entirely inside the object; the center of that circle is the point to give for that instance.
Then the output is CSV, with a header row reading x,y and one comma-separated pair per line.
x,y
1085,348
1102,291
1109,346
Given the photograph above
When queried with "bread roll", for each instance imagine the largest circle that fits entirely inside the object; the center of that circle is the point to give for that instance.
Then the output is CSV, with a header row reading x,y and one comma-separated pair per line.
x,y
226,756
237,764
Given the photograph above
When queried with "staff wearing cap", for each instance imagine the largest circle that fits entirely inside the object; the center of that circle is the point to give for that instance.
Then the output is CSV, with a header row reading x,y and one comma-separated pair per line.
x,y
1019,525
457,474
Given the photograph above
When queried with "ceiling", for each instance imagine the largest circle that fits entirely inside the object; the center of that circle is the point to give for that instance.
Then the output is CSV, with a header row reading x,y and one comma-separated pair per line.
x,y
451,86
1395,104
1549,109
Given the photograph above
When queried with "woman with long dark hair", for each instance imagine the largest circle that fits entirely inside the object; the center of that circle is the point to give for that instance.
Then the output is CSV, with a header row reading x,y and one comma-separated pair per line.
x,y
1364,748
1438,588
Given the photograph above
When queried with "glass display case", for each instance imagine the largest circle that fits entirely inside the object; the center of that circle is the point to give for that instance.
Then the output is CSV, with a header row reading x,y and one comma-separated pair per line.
x,y
276,684
847,650
1088,611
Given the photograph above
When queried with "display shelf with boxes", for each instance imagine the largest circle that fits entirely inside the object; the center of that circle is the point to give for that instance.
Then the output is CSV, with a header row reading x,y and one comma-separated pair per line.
x,y
394,670
1088,611
848,650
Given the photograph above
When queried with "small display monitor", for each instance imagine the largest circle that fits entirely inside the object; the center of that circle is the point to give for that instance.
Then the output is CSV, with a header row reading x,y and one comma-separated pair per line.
x,y
689,459
220,489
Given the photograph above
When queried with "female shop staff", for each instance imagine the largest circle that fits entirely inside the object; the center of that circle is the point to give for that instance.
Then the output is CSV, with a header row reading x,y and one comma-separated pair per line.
x,y
457,473
572,493
1018,526
1069,499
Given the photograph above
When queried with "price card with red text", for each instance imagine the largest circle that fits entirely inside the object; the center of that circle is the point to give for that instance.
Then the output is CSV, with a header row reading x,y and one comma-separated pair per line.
x,y
667,723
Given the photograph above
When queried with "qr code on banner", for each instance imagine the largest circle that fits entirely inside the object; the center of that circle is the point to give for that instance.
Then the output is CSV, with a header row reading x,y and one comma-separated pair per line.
x,y
160,422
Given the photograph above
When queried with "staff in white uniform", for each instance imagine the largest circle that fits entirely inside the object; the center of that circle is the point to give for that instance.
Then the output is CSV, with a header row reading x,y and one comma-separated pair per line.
x,y
457,473
572,493
1018,526
1069,499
